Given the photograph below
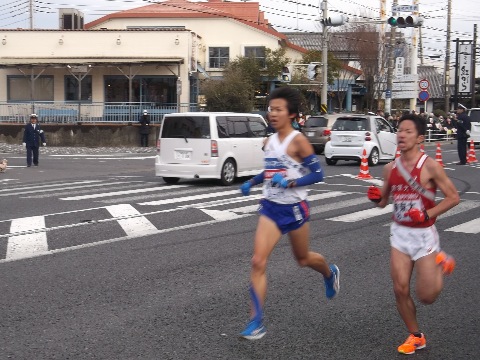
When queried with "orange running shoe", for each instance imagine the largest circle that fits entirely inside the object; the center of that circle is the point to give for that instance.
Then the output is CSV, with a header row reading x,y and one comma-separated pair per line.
x,y
446,261
411,344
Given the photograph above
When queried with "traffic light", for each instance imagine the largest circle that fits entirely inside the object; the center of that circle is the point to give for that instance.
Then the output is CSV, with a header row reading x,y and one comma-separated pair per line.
x,y
313,71
409,21
334,20
286,74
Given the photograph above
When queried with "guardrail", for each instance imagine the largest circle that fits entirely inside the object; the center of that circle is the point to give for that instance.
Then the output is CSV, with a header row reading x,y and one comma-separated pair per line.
x,y
434,135
65,113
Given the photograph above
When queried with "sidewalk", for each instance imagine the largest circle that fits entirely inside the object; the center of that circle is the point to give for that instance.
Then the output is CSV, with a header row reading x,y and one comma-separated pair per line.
x,y
61,150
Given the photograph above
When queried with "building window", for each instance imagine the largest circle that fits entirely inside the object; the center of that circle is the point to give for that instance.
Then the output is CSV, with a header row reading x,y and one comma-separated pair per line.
x,y
19,88
218,57
256,52
158,90
72,89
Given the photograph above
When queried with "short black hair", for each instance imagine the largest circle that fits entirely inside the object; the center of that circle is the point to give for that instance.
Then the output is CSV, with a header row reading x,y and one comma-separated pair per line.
x,y
291,96
419,122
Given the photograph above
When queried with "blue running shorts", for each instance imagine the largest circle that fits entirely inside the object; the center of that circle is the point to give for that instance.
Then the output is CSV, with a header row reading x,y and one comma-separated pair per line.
x,y
288,217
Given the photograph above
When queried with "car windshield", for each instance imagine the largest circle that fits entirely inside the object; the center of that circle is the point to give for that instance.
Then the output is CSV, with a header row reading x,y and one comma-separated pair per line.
x,y
351,124
475,115
196,127
316,122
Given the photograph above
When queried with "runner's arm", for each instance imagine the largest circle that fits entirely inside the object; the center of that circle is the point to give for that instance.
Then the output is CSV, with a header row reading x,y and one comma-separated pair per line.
x,y
446,186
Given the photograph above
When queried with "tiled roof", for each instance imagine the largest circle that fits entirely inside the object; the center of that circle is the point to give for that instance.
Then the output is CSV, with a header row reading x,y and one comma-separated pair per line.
x,y
436,80
247,13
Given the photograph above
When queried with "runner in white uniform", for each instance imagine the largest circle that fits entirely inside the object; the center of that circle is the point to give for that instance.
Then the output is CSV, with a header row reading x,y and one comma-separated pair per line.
x,y
290,165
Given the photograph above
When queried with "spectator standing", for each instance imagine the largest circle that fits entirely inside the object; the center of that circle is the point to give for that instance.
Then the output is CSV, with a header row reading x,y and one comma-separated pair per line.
x,y
144,128
463,133
31,140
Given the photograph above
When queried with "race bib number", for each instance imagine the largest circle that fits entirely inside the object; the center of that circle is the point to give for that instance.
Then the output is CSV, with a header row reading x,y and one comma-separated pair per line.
x,y
401,207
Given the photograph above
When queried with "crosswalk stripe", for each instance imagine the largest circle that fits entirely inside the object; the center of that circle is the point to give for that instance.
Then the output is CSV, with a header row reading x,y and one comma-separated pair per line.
x,y
195,197
374,181
363,214
22,246
43,187
137,225
67,190
469,227
312,197
125,192
88,188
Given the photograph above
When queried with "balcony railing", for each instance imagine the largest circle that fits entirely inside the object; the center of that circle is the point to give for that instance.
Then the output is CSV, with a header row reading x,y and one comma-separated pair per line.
x,y
66,112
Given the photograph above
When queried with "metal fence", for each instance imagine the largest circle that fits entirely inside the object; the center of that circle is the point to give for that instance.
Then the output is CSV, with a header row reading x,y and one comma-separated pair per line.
x,y
433,136
65,112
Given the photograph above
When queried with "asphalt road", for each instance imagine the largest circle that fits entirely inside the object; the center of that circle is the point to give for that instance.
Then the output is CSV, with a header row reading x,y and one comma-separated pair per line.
x,y
127,267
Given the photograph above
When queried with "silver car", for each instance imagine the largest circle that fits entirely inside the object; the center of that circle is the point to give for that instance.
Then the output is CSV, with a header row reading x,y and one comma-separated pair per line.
x,y
317,130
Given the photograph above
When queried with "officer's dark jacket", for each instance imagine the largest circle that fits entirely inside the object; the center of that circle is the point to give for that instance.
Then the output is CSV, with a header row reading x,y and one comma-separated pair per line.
x,y
32,137
144,125
463,124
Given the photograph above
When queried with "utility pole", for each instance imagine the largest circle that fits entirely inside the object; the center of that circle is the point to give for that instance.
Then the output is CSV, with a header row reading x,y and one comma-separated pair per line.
x,y
474,59
323,98
447,58
414,60
31,14
391,61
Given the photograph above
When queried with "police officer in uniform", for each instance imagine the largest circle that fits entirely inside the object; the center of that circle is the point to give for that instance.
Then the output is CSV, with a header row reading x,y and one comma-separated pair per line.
x,y
31,140
144,128
463,133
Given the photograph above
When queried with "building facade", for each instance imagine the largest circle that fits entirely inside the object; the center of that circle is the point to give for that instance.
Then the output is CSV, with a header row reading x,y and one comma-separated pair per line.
x,y
150,57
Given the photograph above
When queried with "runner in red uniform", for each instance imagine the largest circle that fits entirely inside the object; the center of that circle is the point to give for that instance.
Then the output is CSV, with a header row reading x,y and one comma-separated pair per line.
x,y
411,181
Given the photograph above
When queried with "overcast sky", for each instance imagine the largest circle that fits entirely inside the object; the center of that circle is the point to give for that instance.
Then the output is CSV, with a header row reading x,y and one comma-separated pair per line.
x,y
284,15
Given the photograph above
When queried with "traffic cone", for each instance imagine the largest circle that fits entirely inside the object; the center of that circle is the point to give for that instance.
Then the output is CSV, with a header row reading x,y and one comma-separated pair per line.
x,y
471,154
438,155
364,172
422,148
398,153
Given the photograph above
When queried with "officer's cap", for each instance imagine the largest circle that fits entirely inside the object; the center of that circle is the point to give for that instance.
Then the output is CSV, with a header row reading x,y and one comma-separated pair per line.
x,y
460,106
34,116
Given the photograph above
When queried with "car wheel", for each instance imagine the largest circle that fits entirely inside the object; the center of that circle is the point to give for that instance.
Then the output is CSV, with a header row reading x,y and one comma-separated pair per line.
x,y
171,180
374,157
227,176
330,161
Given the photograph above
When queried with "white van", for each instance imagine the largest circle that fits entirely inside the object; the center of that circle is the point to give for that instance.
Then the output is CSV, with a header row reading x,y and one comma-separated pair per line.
x,y
474,115
215,145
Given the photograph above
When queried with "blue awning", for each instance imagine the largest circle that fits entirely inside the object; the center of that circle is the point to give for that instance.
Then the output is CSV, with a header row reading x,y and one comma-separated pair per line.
x,y
202,71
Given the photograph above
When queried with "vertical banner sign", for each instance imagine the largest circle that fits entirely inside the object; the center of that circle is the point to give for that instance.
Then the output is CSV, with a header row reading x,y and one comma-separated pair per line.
x,y
464,62
399,66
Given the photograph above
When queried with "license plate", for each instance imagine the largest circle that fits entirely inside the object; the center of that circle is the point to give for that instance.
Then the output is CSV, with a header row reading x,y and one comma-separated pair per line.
x,y
347,139
310,133
182,155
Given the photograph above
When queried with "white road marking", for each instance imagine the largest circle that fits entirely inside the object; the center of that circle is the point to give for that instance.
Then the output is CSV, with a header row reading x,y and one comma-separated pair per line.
x,y
469,227
137,225
125,192
23,246
222,214
110,241
195,197
374,181
363,214
61,184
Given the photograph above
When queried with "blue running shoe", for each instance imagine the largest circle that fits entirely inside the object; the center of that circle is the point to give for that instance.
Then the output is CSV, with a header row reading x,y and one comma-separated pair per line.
x,y
332,285
254,330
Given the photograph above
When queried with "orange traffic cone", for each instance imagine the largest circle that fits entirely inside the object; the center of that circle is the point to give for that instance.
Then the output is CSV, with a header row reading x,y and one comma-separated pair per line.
x,y
422,148
438,155
364,172
471,154
398,153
